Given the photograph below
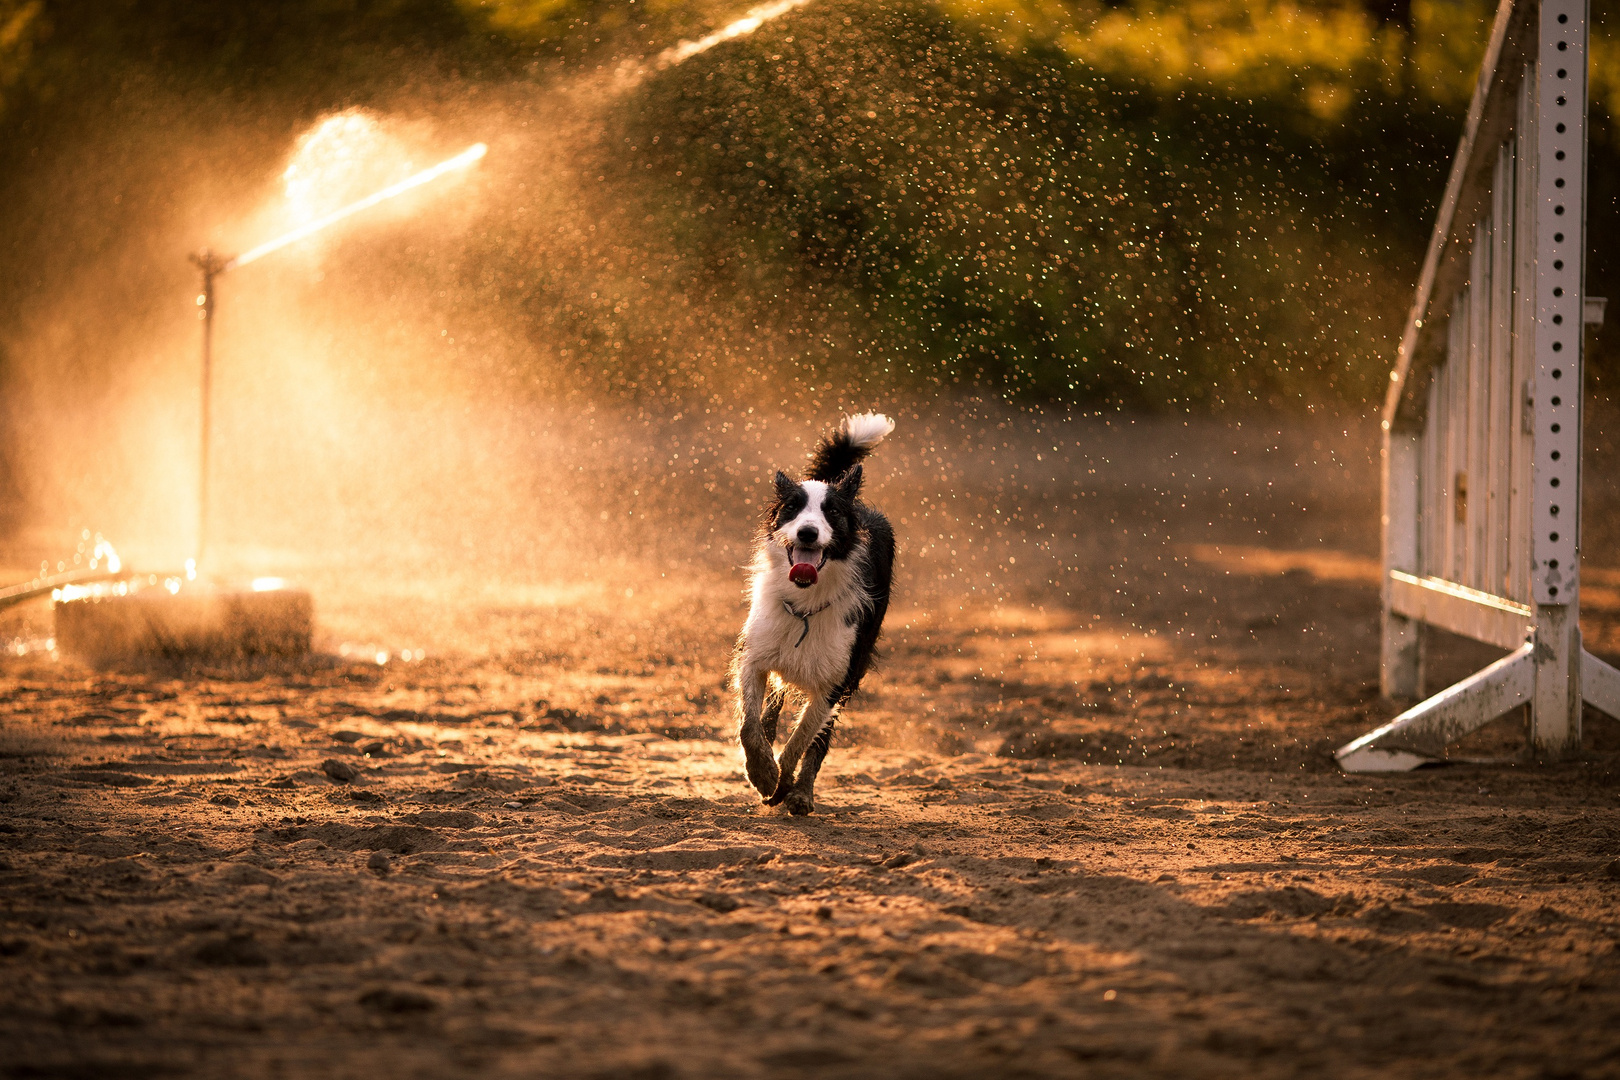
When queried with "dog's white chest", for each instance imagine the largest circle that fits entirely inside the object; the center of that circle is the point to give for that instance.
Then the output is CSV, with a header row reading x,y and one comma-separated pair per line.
x,y
813,657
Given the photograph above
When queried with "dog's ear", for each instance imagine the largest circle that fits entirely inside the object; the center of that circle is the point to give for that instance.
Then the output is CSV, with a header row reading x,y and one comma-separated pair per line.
x,y
785,486
849,485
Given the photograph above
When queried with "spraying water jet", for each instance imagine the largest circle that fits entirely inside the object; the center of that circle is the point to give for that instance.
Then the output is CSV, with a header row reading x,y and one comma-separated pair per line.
x,y
632,72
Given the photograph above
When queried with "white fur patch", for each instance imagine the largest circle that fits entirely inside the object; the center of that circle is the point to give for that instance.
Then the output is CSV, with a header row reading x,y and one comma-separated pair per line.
x,y
867,429
815,659
812,514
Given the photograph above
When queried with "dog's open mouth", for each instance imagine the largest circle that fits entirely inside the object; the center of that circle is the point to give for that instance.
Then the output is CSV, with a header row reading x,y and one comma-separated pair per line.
x,y
804,564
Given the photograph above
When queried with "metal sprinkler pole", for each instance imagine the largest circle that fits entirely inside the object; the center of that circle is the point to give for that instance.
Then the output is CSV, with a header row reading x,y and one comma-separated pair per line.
x,y
213,265
210,265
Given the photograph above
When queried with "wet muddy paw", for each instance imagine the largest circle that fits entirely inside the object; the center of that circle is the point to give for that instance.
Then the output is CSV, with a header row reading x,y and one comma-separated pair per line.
x,y
800,803
762,771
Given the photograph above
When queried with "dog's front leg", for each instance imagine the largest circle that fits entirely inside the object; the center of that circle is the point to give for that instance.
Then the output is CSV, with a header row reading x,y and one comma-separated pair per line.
x,y
756,742
801,797
812,719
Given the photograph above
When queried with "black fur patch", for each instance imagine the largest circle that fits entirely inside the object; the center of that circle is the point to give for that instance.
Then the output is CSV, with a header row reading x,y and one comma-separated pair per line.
x,y
839,510
834,456
876,581
790,499
840,507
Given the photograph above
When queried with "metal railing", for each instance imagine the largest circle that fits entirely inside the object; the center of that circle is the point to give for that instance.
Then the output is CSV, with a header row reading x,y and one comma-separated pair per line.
x,y
1482,423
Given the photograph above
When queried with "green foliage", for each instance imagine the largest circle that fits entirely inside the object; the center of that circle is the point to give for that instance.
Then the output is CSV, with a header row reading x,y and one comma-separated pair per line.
x,y
1006,217
19,29
299,49
1320,57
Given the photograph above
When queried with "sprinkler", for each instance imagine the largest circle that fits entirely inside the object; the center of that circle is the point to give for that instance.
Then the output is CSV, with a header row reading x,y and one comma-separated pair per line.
x,y
178,614
212,266
171,616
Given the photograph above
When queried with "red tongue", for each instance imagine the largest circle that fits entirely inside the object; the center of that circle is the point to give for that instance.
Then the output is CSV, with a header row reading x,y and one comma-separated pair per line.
x,y
803,575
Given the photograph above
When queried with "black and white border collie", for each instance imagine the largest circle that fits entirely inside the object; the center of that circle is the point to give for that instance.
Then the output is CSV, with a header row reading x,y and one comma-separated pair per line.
x,y
820,587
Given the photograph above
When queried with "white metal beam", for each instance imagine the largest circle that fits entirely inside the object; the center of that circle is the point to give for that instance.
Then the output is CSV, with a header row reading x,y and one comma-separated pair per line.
x,y
1492,402
1461,610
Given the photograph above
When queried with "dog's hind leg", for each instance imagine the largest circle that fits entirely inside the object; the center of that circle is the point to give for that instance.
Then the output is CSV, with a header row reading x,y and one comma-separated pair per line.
x,y
801,798
751,731
814,717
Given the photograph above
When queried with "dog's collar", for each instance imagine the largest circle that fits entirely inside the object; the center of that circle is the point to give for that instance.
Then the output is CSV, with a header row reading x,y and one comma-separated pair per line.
x,y
803,617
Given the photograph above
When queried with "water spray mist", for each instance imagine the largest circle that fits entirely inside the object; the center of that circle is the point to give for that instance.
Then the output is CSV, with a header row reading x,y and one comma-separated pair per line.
x,y
212,266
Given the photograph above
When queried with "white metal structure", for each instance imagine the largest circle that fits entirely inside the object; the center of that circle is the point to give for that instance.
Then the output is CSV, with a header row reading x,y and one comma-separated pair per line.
x,y
1482,423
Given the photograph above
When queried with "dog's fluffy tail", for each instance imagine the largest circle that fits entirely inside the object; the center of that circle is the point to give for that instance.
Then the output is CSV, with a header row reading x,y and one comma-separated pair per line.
x,y
842,450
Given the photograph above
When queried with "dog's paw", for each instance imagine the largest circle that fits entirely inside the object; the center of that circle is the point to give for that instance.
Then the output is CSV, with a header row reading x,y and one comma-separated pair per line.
x,y
799,803
784,788
762,770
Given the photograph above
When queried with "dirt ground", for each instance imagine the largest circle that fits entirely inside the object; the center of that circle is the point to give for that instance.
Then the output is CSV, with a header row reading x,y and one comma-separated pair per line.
x,y
1083,820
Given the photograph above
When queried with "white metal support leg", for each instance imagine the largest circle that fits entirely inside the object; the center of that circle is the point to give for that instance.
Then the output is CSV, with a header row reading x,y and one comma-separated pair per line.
x,y
1555,706
1419,735
1600,685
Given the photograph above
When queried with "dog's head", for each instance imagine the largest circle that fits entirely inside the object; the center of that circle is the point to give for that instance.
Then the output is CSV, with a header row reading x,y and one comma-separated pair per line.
x,y
812,522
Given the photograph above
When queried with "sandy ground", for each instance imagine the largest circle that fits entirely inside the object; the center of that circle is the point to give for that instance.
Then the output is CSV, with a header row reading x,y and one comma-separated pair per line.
x,y
1083,821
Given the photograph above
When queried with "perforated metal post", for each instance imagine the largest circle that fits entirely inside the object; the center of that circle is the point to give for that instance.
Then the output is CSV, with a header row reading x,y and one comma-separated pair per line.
x,y
1555,501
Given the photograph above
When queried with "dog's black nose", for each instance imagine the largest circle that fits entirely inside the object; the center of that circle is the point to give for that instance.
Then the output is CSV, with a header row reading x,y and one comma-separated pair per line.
x,y
808,535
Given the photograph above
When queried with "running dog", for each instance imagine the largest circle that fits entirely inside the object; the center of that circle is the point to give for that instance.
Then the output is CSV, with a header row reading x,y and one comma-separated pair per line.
x,y
822,565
